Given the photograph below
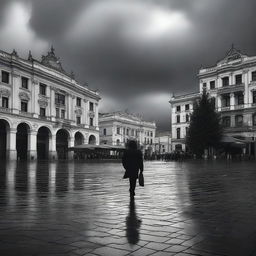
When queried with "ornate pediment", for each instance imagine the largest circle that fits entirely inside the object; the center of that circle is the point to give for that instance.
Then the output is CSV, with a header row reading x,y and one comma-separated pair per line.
x,y
43,103
4,92
79,111
91,114
51,61
232,55
24,96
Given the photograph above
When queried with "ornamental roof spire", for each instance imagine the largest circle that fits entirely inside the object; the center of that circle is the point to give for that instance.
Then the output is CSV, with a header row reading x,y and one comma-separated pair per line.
x,y
51,61
30,57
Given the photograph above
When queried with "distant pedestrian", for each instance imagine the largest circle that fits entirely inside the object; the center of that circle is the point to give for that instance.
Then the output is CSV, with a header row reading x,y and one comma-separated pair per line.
x,y
133,163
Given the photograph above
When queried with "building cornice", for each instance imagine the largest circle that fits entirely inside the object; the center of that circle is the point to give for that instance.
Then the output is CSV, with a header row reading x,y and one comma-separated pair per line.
x,y
35,68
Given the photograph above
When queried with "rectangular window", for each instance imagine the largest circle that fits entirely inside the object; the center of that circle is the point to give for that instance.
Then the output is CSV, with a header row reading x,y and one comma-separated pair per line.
x,y
177,108
187,107
204,85
240,99
213,101
212,85
78,120
187,118
127,132
42,89
5,102
5,77
238,79
59,99
226,121
178,133
24,106
57,112
24,82
78,102
104,131
118,130
225,81
124,131
91,121
42,112
151,134
254,76
132,132
226,101
63,114
253,96
178,118
91,106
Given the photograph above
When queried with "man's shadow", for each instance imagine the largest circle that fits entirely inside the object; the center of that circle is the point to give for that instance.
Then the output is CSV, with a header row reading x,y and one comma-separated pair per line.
x,y
132,225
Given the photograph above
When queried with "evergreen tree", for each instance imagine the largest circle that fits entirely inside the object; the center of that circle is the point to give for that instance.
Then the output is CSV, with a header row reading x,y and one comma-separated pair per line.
x,y
205,130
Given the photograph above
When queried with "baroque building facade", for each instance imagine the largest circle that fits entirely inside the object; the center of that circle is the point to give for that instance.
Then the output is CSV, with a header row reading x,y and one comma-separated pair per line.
x,y
43,110
118,127
231,85
163,143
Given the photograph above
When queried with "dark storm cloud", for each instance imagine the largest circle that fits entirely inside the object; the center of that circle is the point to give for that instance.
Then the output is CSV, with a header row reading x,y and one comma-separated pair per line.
x,y
139,49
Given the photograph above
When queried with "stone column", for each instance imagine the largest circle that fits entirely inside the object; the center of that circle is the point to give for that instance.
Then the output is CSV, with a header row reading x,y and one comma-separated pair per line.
x,y
52,148
86,112
71,143
32,143
231,79
52,104
232,101
219,102
15,93
11,144
34,107
69,107
218,82
96,115
246,88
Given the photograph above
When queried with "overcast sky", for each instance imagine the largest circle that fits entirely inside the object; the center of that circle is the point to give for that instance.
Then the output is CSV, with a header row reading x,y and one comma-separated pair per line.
x,y
136,52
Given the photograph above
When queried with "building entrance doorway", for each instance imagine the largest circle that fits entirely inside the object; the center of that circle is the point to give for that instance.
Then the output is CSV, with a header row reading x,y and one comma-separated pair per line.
x,y
79,139
62,138
43,137
22,141
92,140
4,128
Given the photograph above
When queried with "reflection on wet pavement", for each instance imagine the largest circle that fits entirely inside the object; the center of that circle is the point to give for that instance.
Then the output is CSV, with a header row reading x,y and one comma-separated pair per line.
x,y
193,208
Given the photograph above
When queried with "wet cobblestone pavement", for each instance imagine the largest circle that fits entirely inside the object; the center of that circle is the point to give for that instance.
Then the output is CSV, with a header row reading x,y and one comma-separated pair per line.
x,y
193,208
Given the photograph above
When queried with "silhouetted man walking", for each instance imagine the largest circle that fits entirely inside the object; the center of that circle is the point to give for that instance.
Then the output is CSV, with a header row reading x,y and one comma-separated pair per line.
x,y
133,163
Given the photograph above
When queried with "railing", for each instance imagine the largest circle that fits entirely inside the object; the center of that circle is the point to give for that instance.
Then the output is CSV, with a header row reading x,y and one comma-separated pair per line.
x,y
80,125
5,110
240,106
22,113
226,108
63,121
44,117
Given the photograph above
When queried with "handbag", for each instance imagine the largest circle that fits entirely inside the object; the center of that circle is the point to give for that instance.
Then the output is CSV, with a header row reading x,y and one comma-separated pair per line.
x,y
141,179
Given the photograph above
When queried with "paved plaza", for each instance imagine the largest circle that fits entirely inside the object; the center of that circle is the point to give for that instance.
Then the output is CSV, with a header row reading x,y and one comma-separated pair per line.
x,y
189,208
